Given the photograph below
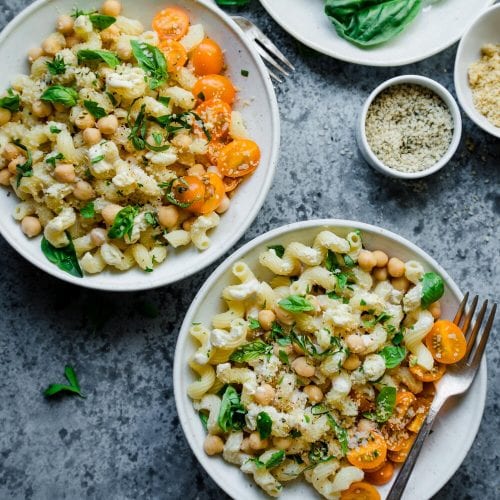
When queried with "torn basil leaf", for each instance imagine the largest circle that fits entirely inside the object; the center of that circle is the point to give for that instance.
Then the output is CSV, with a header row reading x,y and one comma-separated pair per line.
x,y
64,258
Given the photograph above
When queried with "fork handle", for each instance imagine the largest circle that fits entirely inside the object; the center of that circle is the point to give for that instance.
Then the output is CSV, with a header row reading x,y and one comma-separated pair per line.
x,y
399,485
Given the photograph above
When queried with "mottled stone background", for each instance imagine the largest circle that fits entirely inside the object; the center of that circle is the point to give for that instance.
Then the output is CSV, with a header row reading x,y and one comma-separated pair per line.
x,y
124,440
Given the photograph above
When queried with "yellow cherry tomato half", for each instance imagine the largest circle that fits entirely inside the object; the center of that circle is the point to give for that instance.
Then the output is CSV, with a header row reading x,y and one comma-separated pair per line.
x,y
238,158
360,491
216,117
370,454
423,375
213,194
380,476
214,87
174,53
446,342
207,58
188,190
172,23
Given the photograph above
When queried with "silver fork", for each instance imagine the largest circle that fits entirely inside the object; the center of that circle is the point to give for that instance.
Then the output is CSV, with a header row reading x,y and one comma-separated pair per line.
x,y
266,49
457,380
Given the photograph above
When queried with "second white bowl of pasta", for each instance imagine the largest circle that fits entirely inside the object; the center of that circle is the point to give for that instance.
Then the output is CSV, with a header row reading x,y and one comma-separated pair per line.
x,y
301,353
138,140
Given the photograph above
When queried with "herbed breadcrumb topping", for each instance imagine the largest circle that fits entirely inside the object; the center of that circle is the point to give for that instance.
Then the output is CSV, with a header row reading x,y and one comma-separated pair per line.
x,y
409,127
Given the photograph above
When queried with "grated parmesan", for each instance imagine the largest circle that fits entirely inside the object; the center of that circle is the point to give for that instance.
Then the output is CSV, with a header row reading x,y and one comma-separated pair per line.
x,y
409,127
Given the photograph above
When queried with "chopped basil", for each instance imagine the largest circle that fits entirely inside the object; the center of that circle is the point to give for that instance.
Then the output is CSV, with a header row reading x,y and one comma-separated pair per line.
x,y
386,401
152,61
123,223
244,73
64,258
97,159
101,21
362,302
112,98
393,355
276,331
51,160
57,66
319,409
253,324
163,100
318,452
279,250
26,169
252,350
381,318
158,138
106,56
264,425
204,420
94,109
151,219
283,357
10,102
340,432
54,129
331,262
342,279
232,3
276,459
72,388
295,303
232,412
432,288
60,94
88,211
398,338
348,261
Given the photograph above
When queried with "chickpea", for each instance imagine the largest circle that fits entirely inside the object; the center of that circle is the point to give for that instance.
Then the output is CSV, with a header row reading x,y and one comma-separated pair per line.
x,y
168,216
98,236
5,176
213,445
91,136
224,205
53,44
303,368
71,41
266,319
402,284
11,151
84,121
41,109
111,8
381,258
110,35
264,394
65,172
282,443
283,316
109,212
380,273
352,362
108,124
34,53
435,309
65,24
256,443
314,393
12,166
188,223
355,343
366,260
31,226
396,267
5,116
83,191
198,170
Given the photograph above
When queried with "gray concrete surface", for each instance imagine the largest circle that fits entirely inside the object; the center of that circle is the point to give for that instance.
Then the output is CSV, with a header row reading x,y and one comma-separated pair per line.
x,y
124,440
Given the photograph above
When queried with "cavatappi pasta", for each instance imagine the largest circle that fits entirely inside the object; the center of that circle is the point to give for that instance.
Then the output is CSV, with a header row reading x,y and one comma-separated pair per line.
x,y
322,371
122,141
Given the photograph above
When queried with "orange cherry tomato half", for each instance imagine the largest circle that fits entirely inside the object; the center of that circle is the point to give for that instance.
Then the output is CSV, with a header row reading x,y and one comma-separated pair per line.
x,y
446,342
188,190
216,115
360,491
369,455
404,399
213,194
423,375
214,149
214,87
381,476
174,53
207,58
400,455
172,22
238,158
396,440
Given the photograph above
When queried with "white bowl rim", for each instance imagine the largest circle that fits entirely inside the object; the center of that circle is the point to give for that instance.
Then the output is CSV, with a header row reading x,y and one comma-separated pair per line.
x,y
447,98
471,111
152,282
182,337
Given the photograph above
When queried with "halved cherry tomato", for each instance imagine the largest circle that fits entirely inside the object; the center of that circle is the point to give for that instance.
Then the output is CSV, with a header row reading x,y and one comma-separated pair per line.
x,y
207,58
380,476
214,193
238,158
214,87
188,190
446,342
395,440
404,400
214,149
360,491
174,53
421,407
369,455
433,375
172,22
216,115
400,455
231,183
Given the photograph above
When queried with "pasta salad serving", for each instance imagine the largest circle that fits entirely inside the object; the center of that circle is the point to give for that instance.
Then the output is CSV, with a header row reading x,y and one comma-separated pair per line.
x,y
122,141
321,365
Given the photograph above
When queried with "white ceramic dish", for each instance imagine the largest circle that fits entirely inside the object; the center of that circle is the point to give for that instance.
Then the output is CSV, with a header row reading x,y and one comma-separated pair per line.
x,y
485,29
29,29
443,452
374,161
438,26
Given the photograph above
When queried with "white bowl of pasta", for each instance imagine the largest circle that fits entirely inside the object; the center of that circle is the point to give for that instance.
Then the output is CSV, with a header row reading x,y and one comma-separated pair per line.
x,y
127,157
305,353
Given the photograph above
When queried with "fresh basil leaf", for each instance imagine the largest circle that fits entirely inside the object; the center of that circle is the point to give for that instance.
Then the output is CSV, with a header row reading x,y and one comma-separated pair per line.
x,y
432,288
70,374
253,324
381,318
393,355
10,102
101,21
385,401
94,109
152,61
252,350
57,66
340,432
97,159
163,100
110,58
88,211
398,338
151,219
232,3
264,425
348,261
279,250
232,412
275,459
331,262
60,94
51,160
54,129
204,420
73,388
64,258
245,73
78,12
276,331
295,303
342,279
333,295
123,223
26,169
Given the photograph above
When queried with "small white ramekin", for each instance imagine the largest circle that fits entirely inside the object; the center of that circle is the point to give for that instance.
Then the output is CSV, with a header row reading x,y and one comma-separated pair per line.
x,y
447,98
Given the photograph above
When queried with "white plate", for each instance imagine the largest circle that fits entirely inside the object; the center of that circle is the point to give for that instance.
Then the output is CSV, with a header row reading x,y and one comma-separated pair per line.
x,y
29,29
443,452
435,28
485,29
